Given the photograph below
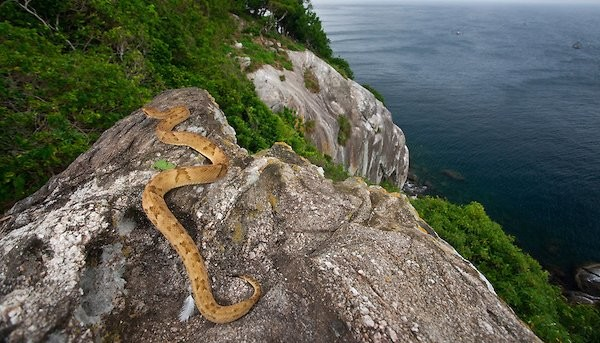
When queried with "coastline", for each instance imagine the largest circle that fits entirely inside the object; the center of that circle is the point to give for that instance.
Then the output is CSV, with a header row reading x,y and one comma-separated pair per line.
x,y
511,113
565,278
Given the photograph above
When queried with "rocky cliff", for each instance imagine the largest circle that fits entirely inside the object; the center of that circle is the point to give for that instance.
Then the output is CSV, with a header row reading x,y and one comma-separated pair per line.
x,y
345,262
372,146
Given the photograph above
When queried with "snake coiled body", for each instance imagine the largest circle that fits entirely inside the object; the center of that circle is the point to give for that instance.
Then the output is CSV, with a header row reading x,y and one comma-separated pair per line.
x,y
159,214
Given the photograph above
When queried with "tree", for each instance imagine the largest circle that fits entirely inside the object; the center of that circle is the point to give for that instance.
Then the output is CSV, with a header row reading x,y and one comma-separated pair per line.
x,y
294,18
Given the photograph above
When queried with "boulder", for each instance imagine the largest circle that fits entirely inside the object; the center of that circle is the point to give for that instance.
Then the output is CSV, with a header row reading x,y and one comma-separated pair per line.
x,y
338,262
244,61
375,147
582,298
588,279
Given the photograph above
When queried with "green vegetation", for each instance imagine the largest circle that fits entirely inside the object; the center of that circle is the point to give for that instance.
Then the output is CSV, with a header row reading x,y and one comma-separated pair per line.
x,y
163,164
69,70
309,126
296,19
260,54
311,82
373,91
389,186
341,65
333,171
344,131
516,276
292,131
53,105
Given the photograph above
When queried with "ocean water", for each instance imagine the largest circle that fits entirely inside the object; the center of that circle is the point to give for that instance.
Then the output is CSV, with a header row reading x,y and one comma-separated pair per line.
x,y
497,107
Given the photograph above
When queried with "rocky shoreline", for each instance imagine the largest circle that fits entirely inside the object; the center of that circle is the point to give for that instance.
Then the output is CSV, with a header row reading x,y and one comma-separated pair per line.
x,y
580,285
413,187
587,281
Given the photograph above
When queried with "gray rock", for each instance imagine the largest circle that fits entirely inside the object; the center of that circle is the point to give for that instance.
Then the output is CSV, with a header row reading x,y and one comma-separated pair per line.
x,y
244,61
582,298
588,279
338,262
376,148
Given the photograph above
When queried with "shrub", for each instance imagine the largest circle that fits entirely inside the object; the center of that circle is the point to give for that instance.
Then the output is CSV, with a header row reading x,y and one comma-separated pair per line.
x,y
61,88
341,65
294,18
516,276
52,106
309,126
344,131
310,81
373,91
261,55
389,186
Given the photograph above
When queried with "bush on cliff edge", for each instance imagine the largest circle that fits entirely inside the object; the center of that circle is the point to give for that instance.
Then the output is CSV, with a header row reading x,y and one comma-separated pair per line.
x,y
516,276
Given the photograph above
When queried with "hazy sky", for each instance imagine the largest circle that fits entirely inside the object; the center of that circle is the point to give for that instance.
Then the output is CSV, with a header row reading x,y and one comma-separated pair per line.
x,y
317,2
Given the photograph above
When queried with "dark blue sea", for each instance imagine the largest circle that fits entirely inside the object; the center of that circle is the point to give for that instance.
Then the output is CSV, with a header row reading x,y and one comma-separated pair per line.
x,y
497,105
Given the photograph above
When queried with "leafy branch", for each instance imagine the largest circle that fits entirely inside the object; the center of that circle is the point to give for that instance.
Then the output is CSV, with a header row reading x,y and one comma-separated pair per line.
x,y
25,4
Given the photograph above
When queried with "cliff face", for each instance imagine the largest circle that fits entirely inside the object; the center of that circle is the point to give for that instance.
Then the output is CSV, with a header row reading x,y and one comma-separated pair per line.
x,y
343,262
375,147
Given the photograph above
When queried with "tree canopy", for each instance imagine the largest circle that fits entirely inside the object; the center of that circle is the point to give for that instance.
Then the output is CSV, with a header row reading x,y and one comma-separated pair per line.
x,y
294,18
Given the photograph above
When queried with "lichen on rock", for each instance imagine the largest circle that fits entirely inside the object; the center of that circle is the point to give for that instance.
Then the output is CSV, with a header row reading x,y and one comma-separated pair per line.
x,y
342,261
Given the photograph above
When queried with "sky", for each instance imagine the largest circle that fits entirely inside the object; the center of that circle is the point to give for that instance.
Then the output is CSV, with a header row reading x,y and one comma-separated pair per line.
x,y
318,2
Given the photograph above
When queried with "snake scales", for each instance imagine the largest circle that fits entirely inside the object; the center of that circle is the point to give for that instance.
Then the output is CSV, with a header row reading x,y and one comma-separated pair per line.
x,y
159,214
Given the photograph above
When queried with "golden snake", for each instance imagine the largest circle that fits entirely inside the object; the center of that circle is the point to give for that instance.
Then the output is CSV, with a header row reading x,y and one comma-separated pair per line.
x,y
159,214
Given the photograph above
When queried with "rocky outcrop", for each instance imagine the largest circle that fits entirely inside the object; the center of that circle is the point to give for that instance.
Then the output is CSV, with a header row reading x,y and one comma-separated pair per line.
x,y
341,262
375,147
588,279
578,297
